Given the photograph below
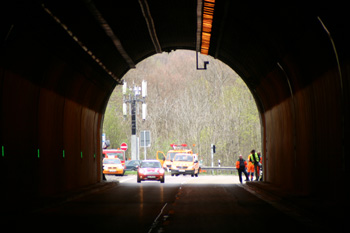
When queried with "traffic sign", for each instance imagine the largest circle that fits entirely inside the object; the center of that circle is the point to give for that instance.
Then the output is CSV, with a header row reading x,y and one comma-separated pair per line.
x,y
123,146
145,138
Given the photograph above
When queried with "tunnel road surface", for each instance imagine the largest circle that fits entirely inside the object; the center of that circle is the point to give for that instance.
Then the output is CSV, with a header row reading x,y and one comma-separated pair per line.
x,y
181,204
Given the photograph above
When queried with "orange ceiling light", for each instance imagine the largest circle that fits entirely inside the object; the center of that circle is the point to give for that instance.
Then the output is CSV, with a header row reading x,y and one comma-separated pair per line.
x,y
207,21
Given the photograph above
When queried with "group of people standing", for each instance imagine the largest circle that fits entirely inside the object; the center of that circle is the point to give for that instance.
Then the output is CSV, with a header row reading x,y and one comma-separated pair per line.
x,y
253,165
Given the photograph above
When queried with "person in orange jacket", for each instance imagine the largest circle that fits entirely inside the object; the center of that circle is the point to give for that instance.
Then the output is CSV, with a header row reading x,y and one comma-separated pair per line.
x,y
250,168
241,166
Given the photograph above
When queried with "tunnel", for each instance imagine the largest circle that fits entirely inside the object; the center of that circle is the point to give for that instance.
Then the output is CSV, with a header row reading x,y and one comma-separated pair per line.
x,y
61,60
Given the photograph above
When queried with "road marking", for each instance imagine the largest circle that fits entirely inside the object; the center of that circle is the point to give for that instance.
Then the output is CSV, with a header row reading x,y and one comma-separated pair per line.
x,y
155,222
122,181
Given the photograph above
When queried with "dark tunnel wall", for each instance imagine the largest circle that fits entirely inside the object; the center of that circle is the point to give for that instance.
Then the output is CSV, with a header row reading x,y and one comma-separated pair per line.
x,y
52,103
305,126
290,66
53,95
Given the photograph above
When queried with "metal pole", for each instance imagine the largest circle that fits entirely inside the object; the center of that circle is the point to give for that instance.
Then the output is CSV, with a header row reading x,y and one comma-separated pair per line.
x,y
212,155
133,129
144,143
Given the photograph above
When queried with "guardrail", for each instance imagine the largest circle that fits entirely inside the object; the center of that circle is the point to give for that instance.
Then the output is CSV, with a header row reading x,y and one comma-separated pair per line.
x,y
218,168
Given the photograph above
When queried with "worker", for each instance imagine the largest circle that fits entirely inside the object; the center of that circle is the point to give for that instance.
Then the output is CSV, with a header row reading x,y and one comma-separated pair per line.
x,y
254,158
260,167
250,168
241,166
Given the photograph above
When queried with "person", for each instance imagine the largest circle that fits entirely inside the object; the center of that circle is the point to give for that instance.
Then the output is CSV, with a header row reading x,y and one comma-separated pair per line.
x,y
241,166
254,158
250,168
260,167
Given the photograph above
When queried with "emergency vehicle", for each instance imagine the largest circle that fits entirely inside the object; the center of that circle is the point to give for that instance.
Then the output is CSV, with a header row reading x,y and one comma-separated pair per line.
x,y
168,160
115,153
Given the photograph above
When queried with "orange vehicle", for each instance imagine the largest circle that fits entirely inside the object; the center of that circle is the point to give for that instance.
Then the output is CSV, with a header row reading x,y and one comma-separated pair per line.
x,y
168,160
113,166
115,153
185,164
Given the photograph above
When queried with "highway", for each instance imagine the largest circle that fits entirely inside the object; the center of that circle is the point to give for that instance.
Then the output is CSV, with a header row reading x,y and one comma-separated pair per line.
x,y
181,204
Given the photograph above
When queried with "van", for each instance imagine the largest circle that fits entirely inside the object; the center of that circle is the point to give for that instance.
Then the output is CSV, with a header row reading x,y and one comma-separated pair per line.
x,y
185,164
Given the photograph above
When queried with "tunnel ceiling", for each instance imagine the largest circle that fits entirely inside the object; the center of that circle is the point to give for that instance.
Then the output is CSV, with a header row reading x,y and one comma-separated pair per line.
x,y
251,38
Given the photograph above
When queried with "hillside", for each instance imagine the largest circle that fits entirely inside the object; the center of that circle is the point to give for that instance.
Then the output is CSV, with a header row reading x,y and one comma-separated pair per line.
x,y
185,105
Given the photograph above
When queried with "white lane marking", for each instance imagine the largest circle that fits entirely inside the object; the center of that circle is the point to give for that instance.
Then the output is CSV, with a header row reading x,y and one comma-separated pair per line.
x,y
124,180
156,220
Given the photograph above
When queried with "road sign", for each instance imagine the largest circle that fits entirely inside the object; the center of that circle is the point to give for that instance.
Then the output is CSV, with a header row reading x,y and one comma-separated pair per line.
x,y
123,146
145,138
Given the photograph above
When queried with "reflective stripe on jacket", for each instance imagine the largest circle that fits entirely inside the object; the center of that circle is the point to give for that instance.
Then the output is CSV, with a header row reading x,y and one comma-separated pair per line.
x,y
254,158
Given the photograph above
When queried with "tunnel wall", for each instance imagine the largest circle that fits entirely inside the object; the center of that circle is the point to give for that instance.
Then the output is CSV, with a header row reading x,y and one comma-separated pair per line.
x,y
53,144
52,101
305,111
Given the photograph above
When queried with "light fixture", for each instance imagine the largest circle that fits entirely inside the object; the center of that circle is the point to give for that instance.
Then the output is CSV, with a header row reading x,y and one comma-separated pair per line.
x,y
207,22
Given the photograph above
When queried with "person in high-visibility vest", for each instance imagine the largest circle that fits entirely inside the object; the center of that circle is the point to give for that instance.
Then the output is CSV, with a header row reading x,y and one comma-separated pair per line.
x,y
260,167
241,166
250,168
254,158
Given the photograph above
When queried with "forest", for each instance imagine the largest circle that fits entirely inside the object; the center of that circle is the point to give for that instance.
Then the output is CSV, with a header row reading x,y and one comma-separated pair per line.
x,y
188,106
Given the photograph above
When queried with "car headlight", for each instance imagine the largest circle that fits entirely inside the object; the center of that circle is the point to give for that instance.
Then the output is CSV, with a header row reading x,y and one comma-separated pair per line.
x,y
141,171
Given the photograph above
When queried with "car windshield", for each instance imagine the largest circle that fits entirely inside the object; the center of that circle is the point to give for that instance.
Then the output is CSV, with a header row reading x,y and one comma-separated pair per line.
x,y
132,162
111,161
150,165
171,155
187,158
116,155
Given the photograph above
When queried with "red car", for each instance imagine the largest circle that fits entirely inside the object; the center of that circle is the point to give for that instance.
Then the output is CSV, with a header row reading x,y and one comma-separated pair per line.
x,y
150,170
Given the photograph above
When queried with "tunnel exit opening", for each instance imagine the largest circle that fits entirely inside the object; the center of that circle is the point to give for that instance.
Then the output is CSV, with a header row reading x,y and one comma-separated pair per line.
x,y
200,108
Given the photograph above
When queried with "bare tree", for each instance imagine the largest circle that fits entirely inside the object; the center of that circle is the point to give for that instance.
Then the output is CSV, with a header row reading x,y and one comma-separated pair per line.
x,y
194,107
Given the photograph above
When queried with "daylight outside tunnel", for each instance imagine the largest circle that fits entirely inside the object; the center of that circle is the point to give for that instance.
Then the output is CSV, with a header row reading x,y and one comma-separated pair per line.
x,y
59,66
199,108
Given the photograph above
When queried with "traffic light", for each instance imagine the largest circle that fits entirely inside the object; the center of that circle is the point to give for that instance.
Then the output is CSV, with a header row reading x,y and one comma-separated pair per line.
x,y
213,148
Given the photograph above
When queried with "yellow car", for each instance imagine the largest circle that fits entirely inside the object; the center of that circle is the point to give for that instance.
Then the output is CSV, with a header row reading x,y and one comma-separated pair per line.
x,y
113,166
185,164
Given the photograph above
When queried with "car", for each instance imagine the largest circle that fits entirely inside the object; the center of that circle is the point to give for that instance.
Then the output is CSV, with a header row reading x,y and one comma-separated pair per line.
x,y
186,164
131,165
113,166
150,170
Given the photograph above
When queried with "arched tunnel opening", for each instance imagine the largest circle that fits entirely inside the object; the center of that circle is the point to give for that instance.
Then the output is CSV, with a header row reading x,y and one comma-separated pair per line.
x,y
198,108
60,64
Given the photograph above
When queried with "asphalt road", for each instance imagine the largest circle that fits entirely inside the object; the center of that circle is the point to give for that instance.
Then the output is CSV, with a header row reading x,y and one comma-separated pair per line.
x,y
181,204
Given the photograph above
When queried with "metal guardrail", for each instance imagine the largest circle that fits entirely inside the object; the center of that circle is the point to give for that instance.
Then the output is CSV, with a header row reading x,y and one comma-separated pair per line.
x,y
218,168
